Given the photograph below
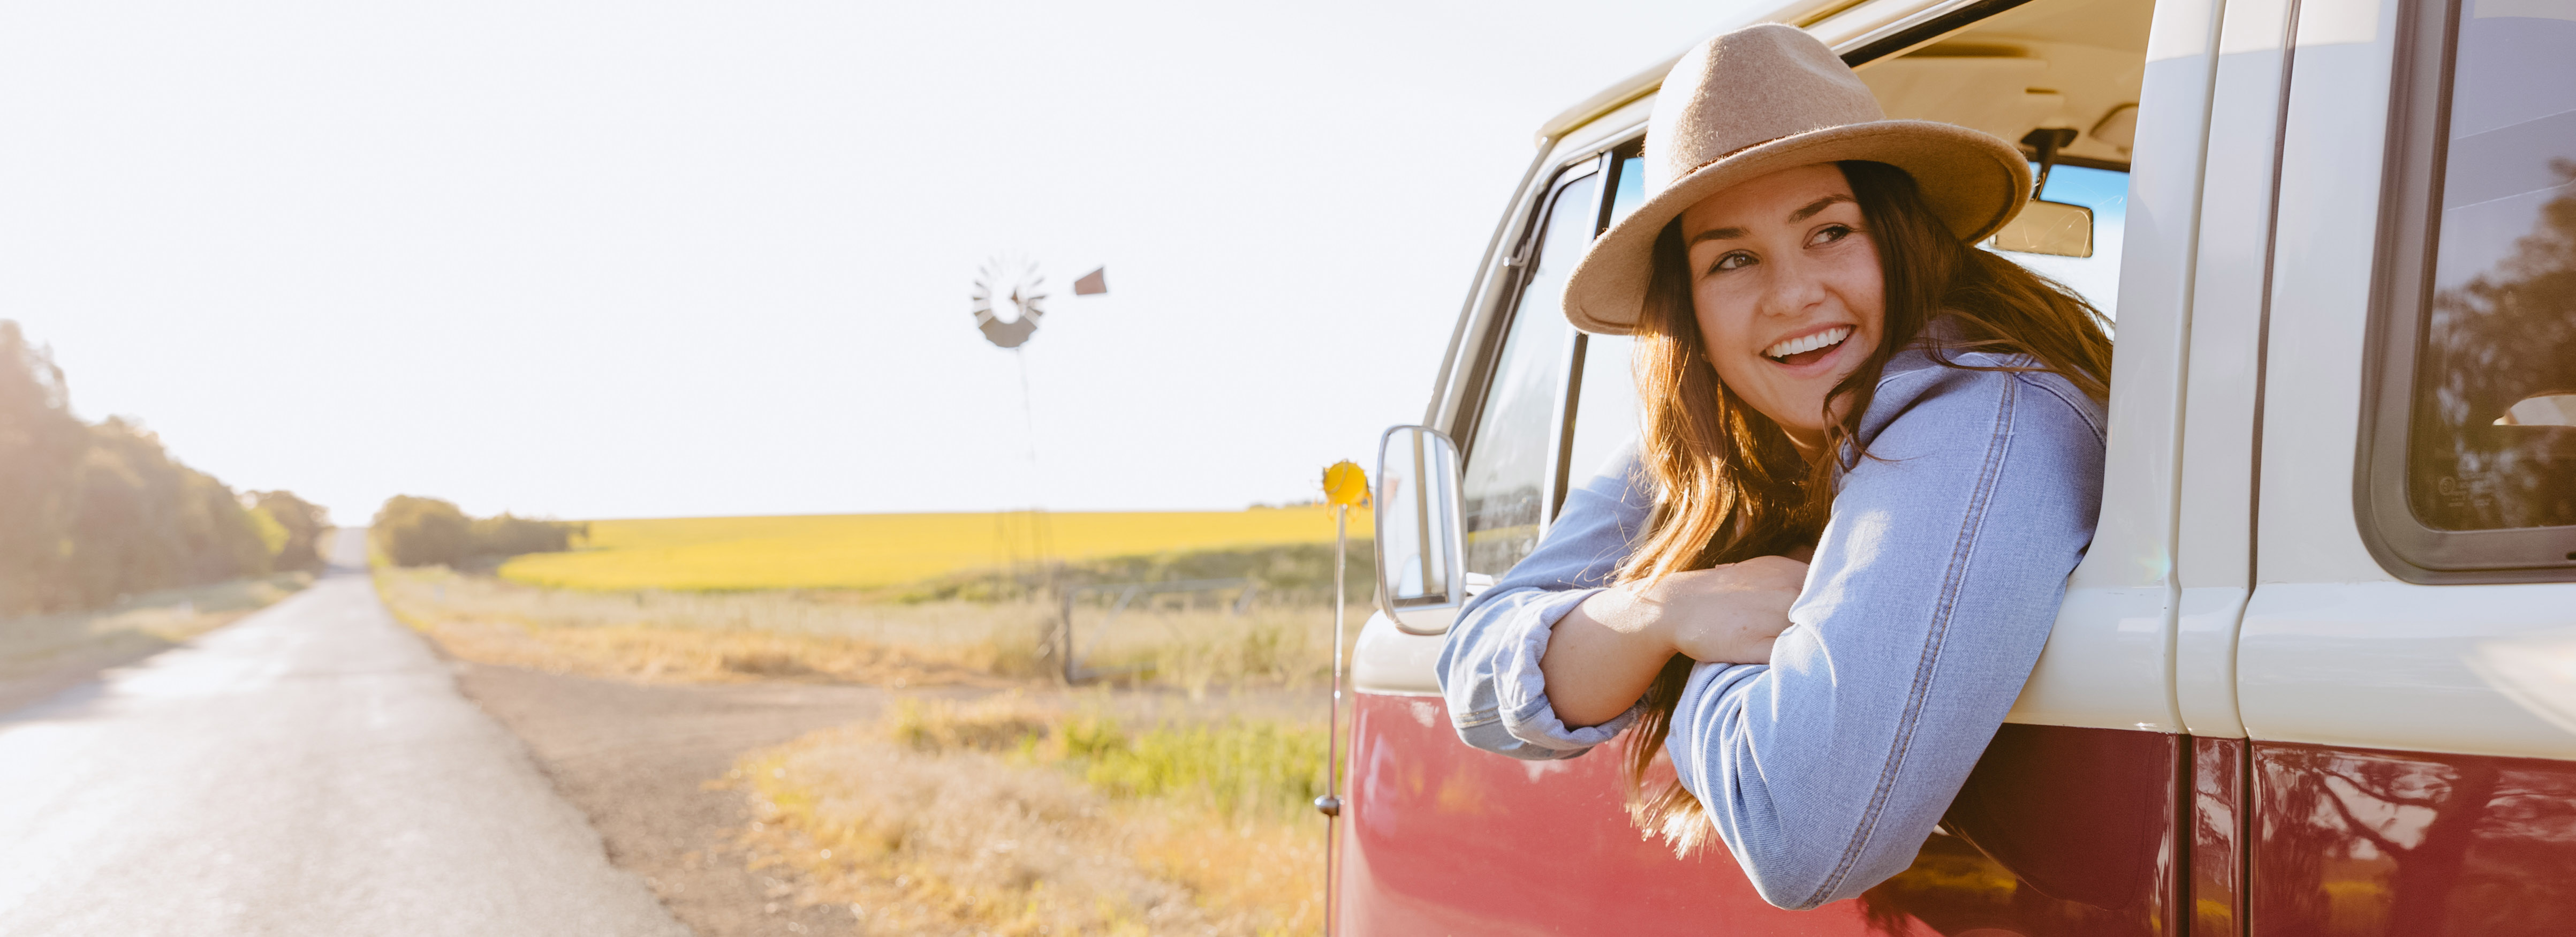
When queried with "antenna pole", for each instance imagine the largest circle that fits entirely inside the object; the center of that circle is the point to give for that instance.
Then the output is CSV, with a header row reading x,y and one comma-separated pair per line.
x,y
1331,803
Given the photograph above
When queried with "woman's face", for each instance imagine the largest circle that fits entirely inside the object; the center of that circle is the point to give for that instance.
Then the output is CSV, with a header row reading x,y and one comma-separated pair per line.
x,y
1787,289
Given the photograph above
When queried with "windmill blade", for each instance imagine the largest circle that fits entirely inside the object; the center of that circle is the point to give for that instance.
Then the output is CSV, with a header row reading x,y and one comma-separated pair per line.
x,y
1092,284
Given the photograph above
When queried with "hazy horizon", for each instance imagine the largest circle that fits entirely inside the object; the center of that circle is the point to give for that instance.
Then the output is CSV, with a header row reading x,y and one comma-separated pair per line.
x,y
591,261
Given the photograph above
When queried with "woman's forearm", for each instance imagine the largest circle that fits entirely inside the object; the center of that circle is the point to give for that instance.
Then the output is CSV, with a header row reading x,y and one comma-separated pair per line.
x,y
1602,656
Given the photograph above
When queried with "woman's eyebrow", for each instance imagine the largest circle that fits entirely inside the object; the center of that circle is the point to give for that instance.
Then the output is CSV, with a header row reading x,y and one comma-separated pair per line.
x,y
1816,206
1802,214
1716,234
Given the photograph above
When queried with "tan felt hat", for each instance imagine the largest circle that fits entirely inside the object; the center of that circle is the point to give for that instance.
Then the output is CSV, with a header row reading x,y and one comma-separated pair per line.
x,y
1766,98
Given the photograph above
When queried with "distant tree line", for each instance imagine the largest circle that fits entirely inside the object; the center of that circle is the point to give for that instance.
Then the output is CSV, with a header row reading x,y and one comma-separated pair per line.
x,y
90,512
414,531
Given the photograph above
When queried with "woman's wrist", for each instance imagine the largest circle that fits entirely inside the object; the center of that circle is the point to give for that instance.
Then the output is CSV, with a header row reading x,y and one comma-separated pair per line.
x,y
1630,612
1603,655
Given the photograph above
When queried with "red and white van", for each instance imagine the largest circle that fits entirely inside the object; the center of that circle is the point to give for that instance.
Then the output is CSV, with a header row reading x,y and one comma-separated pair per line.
x,y
2317,674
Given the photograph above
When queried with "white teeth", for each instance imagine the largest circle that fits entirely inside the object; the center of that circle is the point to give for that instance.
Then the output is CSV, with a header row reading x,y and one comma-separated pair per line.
x,y
1825,339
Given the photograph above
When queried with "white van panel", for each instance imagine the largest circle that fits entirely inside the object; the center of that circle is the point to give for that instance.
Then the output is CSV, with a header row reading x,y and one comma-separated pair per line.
x,y
2109,661
1388,661
2321,293
2213,543
2398,665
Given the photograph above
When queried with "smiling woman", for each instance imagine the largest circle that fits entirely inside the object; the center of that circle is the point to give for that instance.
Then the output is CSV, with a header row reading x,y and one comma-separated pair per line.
x,y
1829,374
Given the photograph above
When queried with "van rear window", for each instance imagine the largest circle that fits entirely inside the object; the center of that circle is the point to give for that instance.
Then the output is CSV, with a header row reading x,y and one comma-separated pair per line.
x,y
2493,430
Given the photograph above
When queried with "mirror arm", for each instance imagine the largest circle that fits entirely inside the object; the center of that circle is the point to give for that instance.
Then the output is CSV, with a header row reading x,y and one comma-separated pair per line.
x,y
2046,141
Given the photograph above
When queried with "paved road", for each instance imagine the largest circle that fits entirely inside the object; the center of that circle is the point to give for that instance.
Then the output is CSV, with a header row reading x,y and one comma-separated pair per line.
x,y
308,770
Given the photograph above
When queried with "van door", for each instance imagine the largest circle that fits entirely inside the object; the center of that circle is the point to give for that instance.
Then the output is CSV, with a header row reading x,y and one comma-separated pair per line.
x,y
2070,824
2406,669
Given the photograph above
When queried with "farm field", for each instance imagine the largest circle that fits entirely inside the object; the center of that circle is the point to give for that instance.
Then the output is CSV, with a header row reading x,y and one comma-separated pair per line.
x,y
866,551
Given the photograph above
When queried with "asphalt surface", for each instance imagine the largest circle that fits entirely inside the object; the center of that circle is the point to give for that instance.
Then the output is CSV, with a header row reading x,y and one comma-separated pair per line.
x,y
311,769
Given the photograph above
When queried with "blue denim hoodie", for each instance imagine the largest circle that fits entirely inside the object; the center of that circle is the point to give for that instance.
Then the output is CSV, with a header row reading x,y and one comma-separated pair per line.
x,y
1929,598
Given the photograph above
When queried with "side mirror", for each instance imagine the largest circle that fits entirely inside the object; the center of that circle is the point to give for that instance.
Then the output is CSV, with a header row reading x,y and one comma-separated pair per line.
x,y
1421,541
2053,228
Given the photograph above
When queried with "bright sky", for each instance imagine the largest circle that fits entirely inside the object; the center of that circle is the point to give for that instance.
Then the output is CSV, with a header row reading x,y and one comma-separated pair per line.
x,y
656,259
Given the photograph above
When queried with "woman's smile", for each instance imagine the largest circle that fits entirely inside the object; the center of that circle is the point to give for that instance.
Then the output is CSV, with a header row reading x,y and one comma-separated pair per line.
x,y
1810,347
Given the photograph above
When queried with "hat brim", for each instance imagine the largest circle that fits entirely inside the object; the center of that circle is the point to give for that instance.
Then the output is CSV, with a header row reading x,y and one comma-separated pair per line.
x,y
1973,180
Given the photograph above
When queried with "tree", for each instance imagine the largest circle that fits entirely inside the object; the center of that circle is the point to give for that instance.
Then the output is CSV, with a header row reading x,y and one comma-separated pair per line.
x,y
41,446
90,513
303,523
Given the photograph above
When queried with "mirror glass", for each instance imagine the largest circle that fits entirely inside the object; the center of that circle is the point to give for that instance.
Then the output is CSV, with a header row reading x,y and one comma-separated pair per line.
x,y
1417,519
2056,229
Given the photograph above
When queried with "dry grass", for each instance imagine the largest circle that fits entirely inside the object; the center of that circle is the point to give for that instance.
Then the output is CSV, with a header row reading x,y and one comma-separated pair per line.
x,y
154,620
1008,817
708,637
864,551
37,651
702,637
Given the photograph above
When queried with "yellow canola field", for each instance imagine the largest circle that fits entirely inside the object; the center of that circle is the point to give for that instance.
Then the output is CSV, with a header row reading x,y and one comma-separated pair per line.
x,y
863,551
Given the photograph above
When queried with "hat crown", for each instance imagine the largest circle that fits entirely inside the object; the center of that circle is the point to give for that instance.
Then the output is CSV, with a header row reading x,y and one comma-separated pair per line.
x,y
1747,88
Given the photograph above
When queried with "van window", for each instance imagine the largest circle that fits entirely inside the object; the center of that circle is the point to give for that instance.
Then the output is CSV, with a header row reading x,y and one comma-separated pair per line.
x,y
2493,438
1605,390
2106,192
1505,481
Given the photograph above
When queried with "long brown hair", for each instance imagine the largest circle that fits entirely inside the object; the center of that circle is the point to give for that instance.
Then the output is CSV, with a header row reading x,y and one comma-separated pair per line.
x,y
1730,485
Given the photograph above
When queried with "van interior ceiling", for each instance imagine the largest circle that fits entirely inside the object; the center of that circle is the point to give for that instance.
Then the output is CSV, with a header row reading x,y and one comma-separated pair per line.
x,y
2074,64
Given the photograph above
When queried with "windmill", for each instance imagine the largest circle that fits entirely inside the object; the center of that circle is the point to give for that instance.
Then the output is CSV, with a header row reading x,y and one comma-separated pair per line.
x,y
1008,319
1008,301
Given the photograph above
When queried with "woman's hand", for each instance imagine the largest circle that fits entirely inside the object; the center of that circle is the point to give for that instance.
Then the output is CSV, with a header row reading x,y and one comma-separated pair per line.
x,y
1603,654
1730,614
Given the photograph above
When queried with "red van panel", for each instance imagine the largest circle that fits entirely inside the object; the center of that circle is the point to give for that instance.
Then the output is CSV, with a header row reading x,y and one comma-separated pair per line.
x,y
1444,839
2355,841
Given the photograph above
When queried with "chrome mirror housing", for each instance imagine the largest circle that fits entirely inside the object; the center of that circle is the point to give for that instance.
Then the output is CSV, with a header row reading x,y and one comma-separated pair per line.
x,y
1421,540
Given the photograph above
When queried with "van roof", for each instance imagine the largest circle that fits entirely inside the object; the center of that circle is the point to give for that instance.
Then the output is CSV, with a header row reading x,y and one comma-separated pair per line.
x,y
1799,13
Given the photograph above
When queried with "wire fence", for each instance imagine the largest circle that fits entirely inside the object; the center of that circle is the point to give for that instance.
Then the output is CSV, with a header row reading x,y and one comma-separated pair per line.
x,y
1102,607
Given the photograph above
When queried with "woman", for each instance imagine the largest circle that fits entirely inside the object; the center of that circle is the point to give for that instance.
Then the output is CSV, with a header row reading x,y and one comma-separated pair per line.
x,y
1872,455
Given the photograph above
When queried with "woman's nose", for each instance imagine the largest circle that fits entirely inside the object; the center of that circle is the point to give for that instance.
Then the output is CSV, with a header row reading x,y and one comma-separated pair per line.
x,y
1794,289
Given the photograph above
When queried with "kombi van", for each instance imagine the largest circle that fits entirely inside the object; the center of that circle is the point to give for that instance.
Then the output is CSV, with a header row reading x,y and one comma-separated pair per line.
x,y
2316,673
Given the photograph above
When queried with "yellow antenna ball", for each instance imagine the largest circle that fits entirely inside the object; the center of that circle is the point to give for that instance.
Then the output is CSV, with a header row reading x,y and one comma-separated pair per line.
x,y
1345,485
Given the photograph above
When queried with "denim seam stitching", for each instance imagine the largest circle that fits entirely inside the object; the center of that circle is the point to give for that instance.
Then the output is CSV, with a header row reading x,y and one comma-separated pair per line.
x,y
1960,556
2081,412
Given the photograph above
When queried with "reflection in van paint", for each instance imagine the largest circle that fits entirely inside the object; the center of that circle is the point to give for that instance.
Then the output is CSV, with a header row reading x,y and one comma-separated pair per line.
x,y
2358,842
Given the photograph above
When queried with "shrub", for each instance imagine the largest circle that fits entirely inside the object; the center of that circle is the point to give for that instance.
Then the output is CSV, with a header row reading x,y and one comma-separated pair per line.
x,y
507,535
414,531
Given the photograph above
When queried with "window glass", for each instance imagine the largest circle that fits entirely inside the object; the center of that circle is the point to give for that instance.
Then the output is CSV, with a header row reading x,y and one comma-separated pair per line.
x,y
1506,475
1605,402
2491,445
1632,188
2106,192
1605,409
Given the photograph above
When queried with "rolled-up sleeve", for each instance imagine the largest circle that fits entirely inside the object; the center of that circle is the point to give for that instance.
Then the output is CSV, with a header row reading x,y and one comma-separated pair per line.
x,y
1929,599
1489,663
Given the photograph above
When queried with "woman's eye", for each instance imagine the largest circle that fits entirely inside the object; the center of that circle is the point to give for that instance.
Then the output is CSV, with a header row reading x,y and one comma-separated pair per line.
x,y
1733,260
1830,234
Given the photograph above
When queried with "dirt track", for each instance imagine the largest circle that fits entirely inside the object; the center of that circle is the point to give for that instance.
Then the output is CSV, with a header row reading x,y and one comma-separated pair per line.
x,y
637,758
